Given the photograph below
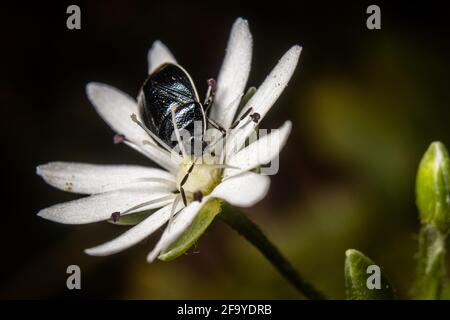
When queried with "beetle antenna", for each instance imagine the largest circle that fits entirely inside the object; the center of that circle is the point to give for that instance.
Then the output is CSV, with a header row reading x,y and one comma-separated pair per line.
x,y
151,134
177,133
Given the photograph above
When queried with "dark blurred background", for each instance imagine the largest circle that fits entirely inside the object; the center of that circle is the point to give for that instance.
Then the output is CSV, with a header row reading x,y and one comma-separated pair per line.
x,y
364,104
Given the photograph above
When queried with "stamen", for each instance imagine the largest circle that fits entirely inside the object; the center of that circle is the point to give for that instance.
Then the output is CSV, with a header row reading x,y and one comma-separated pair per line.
x,y
115,216
255,117
177,133
212,84
144,179
246,113
226,137
118,138
141,205
149,143
211,145
224,166
154,179
210,94
151,134
217,126
198,196
140,148
172,211
175,156
183,195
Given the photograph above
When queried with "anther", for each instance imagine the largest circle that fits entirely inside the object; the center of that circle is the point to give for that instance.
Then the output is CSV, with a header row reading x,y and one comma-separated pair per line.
x,y
198,196
118,138
115,216
212,84
246,113
183,196
255,117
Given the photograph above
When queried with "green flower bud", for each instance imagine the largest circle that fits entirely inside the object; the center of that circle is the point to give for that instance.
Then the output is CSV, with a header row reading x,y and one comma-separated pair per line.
x,y
433,187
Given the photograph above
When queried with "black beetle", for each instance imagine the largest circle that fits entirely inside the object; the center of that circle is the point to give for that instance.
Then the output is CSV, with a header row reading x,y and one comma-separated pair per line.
x,y
171,88
169,102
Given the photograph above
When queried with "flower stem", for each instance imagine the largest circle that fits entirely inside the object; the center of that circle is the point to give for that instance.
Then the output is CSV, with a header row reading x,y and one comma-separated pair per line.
x,y
249,230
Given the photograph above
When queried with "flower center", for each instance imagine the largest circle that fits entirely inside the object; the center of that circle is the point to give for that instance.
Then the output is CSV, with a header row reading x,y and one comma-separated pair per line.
x,y
203,177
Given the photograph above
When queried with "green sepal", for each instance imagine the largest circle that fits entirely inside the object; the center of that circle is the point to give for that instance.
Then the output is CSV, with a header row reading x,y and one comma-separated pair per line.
x,y
201,222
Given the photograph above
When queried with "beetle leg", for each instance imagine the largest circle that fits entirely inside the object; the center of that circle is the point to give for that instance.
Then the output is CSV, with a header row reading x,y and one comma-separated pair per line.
x,y
253,117
234,125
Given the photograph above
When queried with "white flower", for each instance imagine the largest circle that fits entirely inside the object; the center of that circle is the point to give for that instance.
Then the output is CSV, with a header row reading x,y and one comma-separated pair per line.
x,y
128,189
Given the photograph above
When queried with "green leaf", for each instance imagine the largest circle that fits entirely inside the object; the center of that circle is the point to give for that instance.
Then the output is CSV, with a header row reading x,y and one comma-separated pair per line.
x,y
433,187
431,270
194,232
364,280
132,219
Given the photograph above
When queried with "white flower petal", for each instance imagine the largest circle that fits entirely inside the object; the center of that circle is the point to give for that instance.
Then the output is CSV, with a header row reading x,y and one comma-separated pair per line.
x,y
179,224
243,190
99,207
156,154
116,107
157,55
134,235
234,74
92,178
259,152
267,94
